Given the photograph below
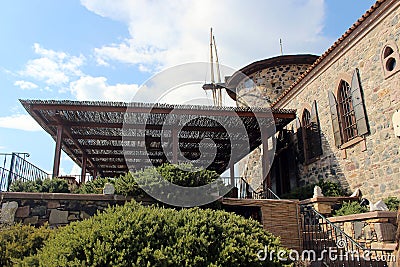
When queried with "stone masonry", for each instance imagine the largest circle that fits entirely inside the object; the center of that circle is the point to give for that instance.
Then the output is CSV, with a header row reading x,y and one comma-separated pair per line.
x,y
267,83
373,165
56,209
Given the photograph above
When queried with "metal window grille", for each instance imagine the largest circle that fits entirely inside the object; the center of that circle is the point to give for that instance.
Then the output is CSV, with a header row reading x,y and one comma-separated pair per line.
x,y
346,113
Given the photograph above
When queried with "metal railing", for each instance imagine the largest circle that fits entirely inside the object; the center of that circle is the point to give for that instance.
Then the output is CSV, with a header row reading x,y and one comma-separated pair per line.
x,y
245,191
325,242
17,168
266,194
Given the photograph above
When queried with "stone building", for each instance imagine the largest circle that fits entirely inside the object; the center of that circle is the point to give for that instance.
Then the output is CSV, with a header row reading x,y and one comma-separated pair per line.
x,y
345,102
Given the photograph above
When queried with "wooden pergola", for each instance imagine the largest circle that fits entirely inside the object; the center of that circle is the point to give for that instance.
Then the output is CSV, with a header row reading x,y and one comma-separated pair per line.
x,y
111,138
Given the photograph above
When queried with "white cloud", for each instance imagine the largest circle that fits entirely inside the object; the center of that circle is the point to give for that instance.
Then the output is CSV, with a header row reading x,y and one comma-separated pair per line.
x,y
20,122
96,88
52,67
25,85
166,33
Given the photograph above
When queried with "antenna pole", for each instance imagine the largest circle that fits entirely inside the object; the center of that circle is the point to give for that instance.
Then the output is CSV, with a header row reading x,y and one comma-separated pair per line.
x,y
280,43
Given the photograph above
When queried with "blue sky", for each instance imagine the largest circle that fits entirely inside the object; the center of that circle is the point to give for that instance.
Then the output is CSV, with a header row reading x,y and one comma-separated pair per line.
x,y
105,49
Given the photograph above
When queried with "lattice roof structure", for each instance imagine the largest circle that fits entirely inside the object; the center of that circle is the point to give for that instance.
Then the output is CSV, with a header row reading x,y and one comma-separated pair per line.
x,y
95,132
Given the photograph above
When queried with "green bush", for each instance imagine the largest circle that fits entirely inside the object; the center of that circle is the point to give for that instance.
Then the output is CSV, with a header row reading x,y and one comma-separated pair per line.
x,y
184,175
54,185
134,235
94,186
126,185
329,189
20,241
302,192
392,203
350,207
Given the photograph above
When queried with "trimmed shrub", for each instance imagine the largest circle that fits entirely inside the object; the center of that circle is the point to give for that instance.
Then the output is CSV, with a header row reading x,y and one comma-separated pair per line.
x,y
350,207
20,241
184,175
126,185
134,235
392,203
54,185
329,189
94,186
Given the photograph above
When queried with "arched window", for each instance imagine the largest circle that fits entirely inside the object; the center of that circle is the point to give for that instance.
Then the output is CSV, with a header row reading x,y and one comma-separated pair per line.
x,y
349,119
309,136
306,123
390,59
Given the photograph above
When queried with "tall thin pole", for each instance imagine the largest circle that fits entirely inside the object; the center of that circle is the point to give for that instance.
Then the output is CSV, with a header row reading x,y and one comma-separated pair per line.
x,y
218,73
280,43
212,65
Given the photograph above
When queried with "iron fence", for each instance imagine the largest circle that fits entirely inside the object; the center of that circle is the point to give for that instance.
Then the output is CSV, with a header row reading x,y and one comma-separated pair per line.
x,y
326,243
16,168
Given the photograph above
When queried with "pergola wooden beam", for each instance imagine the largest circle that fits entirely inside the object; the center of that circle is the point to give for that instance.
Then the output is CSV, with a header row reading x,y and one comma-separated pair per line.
x,y
90,129
157,110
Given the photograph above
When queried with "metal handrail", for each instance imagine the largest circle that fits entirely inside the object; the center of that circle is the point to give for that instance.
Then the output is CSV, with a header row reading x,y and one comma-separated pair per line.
x,y
329,236
245,189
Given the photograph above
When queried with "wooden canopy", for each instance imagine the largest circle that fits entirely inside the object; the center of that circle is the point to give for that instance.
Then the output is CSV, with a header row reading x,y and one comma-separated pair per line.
x,y
100,139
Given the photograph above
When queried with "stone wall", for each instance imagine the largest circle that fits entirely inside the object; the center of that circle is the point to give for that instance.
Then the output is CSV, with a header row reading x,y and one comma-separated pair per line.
x,y
54,208
375,230
269,83
272,81
373,165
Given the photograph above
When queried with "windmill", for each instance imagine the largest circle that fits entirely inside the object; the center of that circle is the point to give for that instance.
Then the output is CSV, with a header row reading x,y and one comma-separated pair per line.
x,y
215,87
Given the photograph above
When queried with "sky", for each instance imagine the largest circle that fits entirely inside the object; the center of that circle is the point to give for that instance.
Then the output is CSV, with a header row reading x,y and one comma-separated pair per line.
x,y
106,49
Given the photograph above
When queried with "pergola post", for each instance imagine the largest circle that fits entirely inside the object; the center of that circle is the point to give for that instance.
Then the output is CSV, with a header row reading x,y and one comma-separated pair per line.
x,y
175,146
57,154
83,172
232,172
265,163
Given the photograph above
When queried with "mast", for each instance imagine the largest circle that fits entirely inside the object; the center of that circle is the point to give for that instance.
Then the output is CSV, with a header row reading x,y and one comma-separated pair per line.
x,y
219,96
212,65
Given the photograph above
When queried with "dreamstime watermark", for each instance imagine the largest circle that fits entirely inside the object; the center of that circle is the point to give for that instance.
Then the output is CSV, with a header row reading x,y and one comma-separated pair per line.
x,y
338,253
157,129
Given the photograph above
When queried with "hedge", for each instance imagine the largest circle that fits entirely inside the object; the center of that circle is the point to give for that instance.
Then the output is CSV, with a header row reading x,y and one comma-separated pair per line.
x,y
183,175
329,189
21,241
54,185
134,235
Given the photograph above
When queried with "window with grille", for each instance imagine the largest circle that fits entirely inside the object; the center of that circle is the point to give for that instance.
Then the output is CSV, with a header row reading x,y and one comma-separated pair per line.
x,y
307,127
347,117
309,136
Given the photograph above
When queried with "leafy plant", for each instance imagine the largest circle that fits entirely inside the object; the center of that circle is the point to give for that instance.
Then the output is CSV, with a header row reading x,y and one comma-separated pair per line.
x,y
20,241
349,208
94,186
393,203
54,185
135,235
329,189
